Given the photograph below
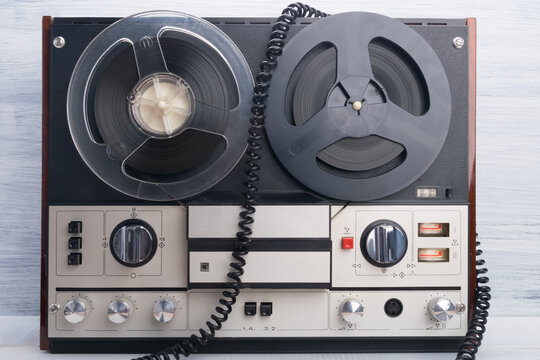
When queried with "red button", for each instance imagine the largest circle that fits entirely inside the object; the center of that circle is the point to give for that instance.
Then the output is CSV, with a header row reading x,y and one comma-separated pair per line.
x,y
347,243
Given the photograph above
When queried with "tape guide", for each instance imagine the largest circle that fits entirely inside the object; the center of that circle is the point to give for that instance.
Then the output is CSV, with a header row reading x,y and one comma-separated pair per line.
x,y
364,222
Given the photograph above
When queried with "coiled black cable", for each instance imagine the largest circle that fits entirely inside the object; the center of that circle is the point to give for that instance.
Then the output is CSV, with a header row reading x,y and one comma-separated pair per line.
x,y
477,328
274,49
256,135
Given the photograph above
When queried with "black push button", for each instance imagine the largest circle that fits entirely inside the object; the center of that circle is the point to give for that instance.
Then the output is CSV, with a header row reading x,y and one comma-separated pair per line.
x,y
250,308
266,308
75,259
75,227
75,243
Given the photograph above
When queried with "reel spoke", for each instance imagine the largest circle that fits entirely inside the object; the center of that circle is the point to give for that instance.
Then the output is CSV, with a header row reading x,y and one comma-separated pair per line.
x,y
413,132
353,55
149,57
309,139
205,119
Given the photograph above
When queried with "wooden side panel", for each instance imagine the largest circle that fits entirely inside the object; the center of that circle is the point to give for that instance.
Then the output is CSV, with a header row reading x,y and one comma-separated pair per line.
x,y
471,23
46,23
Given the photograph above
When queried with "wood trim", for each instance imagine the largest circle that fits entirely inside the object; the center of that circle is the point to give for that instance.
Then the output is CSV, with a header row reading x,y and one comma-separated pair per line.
x,y
46,27
471,24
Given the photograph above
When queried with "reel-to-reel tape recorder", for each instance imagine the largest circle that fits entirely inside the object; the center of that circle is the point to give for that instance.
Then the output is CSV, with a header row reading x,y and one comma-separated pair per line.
x,y
357,209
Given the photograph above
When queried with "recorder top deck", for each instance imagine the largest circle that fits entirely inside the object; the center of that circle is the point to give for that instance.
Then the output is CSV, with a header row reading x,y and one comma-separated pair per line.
x,y
348,161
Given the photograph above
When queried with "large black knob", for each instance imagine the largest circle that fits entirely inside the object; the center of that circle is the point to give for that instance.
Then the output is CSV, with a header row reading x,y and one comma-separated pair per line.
x,y
383,243
133,243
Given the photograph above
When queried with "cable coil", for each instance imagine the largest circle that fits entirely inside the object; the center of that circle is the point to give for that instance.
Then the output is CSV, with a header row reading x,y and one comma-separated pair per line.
x,y
256,135
274,49
477,328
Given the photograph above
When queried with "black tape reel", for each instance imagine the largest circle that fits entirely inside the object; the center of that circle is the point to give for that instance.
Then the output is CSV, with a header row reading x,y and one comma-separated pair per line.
x,y
158,105
359,106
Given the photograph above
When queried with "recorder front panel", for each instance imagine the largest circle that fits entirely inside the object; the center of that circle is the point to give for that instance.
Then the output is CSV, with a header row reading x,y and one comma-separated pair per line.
x,y
295,285
294,313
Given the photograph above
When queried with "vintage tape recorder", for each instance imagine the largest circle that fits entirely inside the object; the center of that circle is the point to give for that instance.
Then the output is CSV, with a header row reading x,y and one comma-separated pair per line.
x,y
312,176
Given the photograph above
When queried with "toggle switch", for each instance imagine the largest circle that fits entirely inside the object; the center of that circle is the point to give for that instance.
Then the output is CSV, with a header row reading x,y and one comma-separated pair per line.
x,y
266,308
75,259
250,308
75,243
75,227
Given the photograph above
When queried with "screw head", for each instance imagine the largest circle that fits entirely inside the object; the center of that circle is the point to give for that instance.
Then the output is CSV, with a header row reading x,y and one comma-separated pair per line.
x,y
54,309
460,308
59,42
458,42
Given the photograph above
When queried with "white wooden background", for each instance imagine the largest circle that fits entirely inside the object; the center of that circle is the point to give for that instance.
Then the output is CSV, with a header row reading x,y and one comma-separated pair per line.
x,y
508,116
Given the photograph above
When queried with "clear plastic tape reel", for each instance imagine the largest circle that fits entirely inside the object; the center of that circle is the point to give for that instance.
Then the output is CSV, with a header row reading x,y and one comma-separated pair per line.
x,y
142,31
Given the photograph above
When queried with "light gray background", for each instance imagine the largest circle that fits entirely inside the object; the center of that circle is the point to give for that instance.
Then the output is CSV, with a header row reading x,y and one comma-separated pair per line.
x,y
508,127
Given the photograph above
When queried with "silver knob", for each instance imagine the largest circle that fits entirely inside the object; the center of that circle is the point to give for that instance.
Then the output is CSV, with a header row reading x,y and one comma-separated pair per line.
x,y
352,311
76,310
442,309
119,311
384,243
164,310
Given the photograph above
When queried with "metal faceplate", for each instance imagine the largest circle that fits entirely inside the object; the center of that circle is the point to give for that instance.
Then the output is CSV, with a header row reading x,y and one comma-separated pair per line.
x,y
315,292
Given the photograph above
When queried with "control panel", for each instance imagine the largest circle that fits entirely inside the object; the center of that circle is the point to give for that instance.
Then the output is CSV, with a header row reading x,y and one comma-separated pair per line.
x,y
398,246
117,246
261,313
362,271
